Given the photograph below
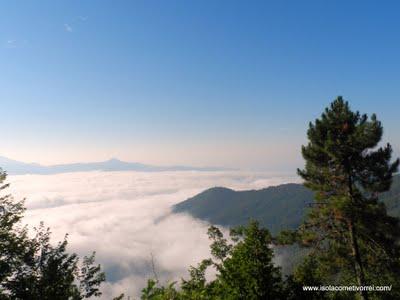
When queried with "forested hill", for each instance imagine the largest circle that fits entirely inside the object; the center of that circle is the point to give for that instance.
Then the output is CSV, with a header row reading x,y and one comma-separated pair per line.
x,y
392,198
274,207
277,208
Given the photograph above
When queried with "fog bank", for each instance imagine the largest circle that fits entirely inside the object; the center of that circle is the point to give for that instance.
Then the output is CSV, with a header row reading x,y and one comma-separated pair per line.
x,y
126,218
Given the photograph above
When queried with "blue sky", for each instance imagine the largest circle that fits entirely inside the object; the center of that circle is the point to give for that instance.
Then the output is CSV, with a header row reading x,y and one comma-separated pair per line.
x,y
226,83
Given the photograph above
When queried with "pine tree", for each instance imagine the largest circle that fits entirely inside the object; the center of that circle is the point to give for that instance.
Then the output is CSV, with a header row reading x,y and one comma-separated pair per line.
x,y
348,226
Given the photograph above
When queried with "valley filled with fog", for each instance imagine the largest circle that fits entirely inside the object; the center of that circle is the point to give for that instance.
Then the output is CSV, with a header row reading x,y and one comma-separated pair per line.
x,y
126,218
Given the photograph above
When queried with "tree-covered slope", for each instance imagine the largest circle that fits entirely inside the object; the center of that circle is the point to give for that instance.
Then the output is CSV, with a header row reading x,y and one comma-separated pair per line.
x,y
274,207
279,207
392,198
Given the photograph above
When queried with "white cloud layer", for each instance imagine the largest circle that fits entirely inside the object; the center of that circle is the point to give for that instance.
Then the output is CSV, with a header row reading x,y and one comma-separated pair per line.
x,y
126,217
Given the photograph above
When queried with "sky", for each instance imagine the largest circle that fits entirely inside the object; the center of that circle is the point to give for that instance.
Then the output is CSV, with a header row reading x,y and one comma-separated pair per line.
x,y
202,83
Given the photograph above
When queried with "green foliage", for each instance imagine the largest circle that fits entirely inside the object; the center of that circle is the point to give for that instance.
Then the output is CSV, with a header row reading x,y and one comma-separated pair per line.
x,y
244,270
90,277
154,292
33,268
307,274
248,272
13,245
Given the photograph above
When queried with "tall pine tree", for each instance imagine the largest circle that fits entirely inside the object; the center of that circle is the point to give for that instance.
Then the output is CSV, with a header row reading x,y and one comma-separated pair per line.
x,y
348,227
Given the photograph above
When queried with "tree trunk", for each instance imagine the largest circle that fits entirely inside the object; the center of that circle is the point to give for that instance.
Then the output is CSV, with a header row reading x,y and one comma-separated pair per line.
x,y
358,266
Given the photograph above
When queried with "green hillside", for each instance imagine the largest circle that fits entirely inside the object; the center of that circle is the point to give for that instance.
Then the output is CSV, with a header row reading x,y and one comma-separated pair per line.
x,y
277,208
274,207
392,198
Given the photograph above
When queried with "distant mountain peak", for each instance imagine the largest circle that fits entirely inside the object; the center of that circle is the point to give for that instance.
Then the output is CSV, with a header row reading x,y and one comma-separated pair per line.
x,y
14,167
116,161
113,159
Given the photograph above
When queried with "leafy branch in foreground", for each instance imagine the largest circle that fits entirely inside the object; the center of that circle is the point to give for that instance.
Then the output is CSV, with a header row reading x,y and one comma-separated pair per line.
x,y
244,270
33,268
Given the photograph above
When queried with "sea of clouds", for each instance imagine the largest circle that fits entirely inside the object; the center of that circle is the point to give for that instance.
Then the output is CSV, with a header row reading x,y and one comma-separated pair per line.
x,y
126,218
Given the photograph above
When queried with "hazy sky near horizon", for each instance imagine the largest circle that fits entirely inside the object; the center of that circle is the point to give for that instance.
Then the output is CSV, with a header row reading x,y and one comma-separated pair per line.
x,y
217,83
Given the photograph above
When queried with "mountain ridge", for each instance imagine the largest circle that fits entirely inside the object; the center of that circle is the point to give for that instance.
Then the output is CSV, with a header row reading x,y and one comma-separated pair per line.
x,y
14,167
276,207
